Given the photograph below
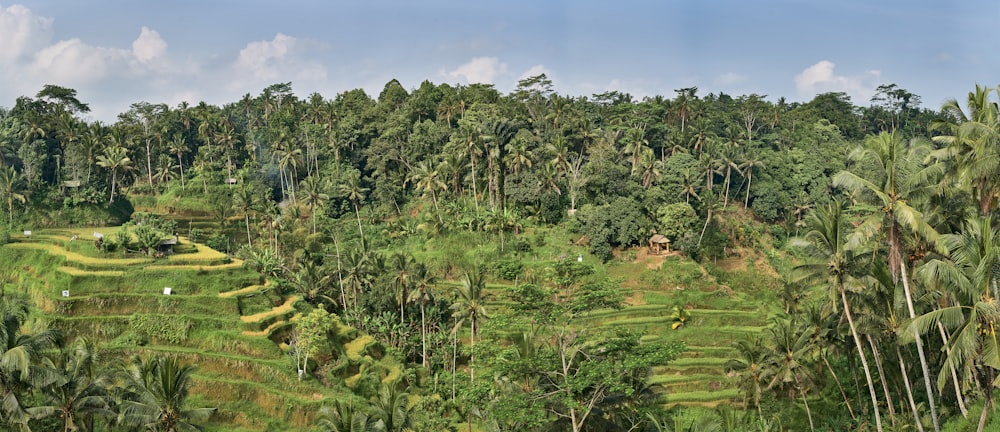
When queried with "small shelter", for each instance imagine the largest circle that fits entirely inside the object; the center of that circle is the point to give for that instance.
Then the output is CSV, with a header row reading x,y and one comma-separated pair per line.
x,y
658,244
167,245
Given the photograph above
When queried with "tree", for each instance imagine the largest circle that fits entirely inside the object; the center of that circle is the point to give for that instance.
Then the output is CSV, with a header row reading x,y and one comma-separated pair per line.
x,y
354,192
391,410
245,199
789,350
423,279
470,306
114,158
971,278
314,196
21,360
750,161
835,265
159,391
178,147
310,332
402,279
345,417
972,141
10,186
894,176
79,390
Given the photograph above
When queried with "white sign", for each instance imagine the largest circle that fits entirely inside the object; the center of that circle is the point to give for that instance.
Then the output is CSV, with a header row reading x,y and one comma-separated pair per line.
x,y
579,258
65,293
167,290
27,233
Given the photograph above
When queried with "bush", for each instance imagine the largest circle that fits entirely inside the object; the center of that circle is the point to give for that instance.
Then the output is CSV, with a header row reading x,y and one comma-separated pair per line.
x,y
4,237
218,241
507,269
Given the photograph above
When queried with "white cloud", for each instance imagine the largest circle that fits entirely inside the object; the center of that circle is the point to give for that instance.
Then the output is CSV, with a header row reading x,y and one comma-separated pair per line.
x,y
820,78
22,33
72,62
730,78
263,63
149,46
480,70
535,70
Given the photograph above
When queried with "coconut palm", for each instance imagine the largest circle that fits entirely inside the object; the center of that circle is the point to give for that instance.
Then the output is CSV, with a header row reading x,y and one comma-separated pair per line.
x,y
345,417
10,187
470,306
749,370
79,391
313,194
972,142
178,147
391,410
402,279
159,391
835,265
21,355
971,278
354,192
895,178
245,200
787,358
423,279
751,160
114,158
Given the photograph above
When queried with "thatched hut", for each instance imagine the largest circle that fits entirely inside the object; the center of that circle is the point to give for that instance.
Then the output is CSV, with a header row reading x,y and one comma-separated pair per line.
x,y
658,244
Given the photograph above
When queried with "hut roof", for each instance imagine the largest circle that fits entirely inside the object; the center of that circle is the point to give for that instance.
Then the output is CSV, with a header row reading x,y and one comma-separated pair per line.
x,y
657,238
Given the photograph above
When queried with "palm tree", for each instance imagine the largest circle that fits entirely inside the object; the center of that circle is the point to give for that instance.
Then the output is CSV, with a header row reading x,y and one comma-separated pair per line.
x,y
973,142
834,264
895,176
391,410
10,185
20,360
345,417
312,193
971,278
245,200
402,267
354,192
790,348
427,180
114,158
470,306
79,390
178,147
159,390
422,281
749,368
750,161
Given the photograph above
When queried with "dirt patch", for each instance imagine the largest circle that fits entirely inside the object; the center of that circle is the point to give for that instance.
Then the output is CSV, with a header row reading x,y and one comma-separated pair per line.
x,y
651,262
637,298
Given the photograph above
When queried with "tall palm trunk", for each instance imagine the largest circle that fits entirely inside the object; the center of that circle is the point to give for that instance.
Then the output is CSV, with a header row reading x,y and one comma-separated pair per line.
x,y
357,213
885,384
423,335
861,354
909,390
920,346
954,375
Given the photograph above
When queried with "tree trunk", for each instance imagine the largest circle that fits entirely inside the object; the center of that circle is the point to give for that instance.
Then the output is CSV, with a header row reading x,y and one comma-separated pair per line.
x,y
357,213
920,346
909,390
246,217
114,179
839,386
423,335
885,385
861,354
954,375
181,165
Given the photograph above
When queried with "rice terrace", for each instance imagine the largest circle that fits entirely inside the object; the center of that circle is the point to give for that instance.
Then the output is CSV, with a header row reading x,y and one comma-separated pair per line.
x,y
502,245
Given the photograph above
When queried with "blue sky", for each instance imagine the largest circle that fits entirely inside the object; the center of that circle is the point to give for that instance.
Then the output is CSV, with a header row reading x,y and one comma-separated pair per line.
x,y
116,52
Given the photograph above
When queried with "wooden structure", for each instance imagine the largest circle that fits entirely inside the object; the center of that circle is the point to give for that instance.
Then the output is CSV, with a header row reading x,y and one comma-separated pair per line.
x,y
658,244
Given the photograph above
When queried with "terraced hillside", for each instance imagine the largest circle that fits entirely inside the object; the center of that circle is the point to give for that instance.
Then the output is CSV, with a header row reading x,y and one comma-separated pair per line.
x,y
220,317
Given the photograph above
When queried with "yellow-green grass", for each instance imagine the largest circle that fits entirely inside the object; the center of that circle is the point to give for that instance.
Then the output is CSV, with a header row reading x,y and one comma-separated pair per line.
x,y
355,349
131,302
285,308
73,257
235,264
702,396
245,290
670,379
267,330
73,271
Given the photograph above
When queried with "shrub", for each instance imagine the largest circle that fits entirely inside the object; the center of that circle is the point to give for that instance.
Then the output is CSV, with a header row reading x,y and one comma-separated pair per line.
x,y
507,269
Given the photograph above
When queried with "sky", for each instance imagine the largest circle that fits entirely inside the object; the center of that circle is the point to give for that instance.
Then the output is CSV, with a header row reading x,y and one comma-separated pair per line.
x,y
118,52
